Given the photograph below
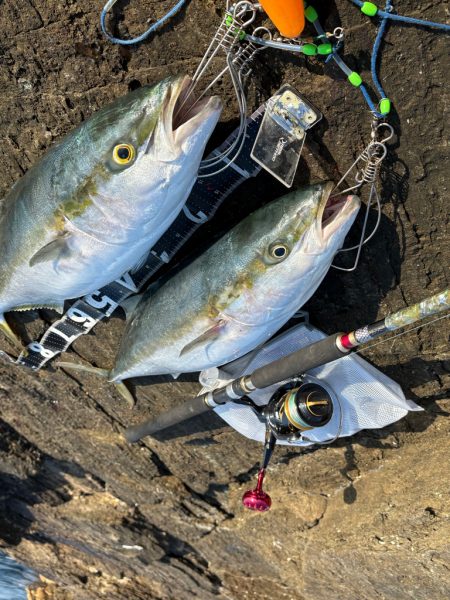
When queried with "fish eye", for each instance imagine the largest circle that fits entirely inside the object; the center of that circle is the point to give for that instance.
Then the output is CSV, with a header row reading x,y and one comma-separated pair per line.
x,y
123,154
278,251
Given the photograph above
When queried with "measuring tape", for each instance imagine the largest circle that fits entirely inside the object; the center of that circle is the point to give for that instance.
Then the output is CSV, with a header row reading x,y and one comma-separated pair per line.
x,y
206,197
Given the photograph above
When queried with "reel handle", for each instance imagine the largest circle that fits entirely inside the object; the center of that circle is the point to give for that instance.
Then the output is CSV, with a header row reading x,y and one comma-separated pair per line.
x,y
288,16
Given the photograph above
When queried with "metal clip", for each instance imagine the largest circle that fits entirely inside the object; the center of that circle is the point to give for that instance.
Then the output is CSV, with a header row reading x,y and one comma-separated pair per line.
x,y
228,38
367,164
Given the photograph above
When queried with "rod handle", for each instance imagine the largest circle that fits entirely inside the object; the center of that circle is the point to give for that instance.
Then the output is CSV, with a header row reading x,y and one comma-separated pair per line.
x,y
309,357
188,409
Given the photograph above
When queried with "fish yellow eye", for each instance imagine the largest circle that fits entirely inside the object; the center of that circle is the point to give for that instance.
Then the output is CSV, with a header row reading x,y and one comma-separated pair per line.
x,y
278,251
123,154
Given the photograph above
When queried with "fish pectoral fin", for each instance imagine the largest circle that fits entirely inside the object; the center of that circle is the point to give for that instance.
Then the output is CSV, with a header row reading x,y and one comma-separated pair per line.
x,y
54,250
139,264
210,335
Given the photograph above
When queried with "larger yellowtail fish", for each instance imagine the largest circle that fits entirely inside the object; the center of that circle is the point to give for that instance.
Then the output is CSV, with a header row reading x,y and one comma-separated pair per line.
x,y
98,201
237,294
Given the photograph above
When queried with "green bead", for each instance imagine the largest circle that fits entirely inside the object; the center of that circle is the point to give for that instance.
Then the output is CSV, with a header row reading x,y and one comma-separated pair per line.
x,y
229,20
309,49
311,14
355,79
325,48
369,8
385,106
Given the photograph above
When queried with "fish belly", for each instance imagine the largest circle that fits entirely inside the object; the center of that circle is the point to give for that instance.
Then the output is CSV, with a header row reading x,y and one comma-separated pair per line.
x,y
165,358
90,266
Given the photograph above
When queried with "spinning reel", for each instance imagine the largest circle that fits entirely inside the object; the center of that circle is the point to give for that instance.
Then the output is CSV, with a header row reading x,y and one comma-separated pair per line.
x,y
296,407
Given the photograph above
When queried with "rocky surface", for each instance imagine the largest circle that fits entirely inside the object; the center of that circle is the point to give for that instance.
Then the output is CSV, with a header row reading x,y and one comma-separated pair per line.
x,y
366,518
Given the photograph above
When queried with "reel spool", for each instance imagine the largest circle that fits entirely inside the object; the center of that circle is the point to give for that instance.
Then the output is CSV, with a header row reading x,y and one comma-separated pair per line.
x,y
295,407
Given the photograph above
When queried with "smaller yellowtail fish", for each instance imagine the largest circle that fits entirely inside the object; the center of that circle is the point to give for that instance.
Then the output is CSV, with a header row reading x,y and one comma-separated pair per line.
x,y
236,295
94,205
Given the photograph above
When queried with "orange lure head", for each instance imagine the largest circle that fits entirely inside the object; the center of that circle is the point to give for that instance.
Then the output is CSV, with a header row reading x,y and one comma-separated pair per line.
x,y
288,16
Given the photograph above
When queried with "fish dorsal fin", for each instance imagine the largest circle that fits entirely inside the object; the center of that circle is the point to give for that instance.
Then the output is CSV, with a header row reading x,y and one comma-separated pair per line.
x,y
129,304
57,306
54,250
210,335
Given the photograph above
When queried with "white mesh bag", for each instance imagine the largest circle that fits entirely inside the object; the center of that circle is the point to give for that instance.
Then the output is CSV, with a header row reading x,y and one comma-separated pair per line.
x,y
363,397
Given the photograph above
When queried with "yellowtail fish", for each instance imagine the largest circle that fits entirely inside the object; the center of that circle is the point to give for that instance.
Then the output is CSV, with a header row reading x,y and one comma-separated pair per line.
x,y
92,207
238,294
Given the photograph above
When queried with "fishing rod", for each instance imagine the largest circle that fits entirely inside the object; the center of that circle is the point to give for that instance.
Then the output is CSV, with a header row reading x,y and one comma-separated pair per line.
x,y
291,366
303,403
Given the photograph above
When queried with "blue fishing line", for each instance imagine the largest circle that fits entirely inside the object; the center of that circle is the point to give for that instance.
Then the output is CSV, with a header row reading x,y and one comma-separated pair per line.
x,y
368,99
393,17
160,23
385,15
346,69
376,50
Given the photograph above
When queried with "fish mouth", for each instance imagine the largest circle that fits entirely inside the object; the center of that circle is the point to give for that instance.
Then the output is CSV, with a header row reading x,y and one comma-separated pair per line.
x,y
334,211
184,113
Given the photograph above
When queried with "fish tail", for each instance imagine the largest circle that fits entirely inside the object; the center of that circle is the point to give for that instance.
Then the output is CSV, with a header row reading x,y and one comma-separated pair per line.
x,y
104,373
125,393
9,333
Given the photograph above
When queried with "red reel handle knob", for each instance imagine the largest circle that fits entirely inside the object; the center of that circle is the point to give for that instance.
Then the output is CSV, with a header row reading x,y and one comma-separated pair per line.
x,y
257,499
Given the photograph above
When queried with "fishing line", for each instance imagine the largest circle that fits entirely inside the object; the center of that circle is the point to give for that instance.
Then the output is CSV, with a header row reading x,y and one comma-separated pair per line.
x,y
337,435
324,48
365,348
140,38
371,10
371,157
